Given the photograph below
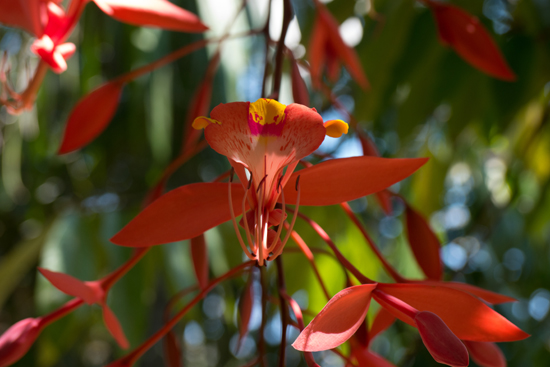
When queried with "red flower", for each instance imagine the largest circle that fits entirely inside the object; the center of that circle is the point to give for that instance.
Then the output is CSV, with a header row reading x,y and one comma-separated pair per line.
x,y
262,138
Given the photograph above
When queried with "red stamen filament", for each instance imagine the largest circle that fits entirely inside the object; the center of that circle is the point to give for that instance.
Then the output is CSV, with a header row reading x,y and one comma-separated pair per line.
x,y
280,229
278,250
241,242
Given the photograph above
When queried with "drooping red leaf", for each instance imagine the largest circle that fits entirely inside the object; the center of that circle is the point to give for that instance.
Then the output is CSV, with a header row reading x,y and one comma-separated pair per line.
x,y
339,180
424,244
366,358
487,296
317,52
17,340
246,304
467,316
113,325
200,104
383,320
25,14
440,341
342,51
72,286
172,350
300,93
199,254
337,321
156,13
181,214
486,354
91,116
465,34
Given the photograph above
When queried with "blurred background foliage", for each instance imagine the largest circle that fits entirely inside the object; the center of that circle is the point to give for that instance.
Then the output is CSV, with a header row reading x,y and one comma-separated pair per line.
x,y
486,189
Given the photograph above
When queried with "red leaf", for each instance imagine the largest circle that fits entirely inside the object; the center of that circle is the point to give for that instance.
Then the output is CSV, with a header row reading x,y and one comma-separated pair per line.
x,y
300,93
465,34
337,321
339,180
424,244
172,350
199,254
181,214
486,354
72,286
114,327
440,341
366,358
246,304
91,116
487,296
200,104
25,14
467,316
17,340
156,13
345,53
383,320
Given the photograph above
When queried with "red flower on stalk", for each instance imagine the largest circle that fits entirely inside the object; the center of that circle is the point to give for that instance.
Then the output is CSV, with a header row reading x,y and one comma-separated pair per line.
x,y
262,139
328,48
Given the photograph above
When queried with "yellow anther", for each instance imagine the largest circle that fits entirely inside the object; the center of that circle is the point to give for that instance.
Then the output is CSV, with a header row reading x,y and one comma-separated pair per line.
x,y
201,122
335,128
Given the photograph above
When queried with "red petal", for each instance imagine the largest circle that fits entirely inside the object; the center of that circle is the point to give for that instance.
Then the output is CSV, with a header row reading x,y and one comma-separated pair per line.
x,y
181,214
343,51
424,244
383,320
156,13
72,286
300,93
440,341
91,116
486,354
337,321
17,340
467,316
199,254
464,33
487,296
339,180
172,350
114,327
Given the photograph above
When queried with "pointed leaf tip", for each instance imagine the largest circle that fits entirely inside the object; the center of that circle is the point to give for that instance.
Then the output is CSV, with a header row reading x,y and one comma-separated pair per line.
x,y
486,354
72,286
338,180
113,325
156,13
337,321
181,214
440,341
91,116
465,34
424,244
199,254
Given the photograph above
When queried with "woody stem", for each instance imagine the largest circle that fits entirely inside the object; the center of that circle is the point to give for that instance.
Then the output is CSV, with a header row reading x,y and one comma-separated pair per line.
x,y
277,76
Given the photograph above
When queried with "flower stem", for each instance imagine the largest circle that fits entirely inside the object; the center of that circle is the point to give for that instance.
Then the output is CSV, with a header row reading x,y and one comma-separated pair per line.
x,y
133,356
321,232
389,269
284,309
